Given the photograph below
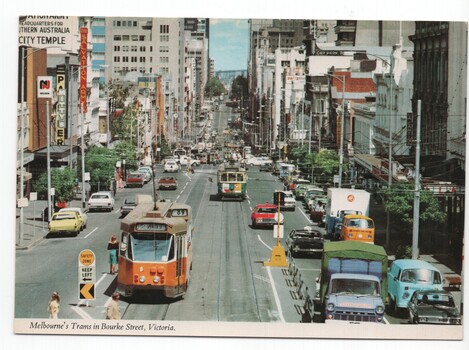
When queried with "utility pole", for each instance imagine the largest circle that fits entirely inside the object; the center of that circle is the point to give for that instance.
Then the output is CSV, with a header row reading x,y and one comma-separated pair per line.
x,y
49,185
83,192
415,230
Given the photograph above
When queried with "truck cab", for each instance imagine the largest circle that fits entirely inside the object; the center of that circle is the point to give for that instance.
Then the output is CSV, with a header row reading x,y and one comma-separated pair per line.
x,y
357,228
405,276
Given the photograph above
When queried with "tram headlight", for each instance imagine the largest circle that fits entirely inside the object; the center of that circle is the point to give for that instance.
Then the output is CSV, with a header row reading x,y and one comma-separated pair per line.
x,y
156,279
142,279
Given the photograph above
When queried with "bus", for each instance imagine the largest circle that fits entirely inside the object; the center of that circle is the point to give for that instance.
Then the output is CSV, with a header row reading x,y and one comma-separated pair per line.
x,y
155,249
178,152
231,181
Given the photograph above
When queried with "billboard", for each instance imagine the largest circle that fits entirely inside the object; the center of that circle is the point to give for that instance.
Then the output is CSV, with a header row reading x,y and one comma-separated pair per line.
x,y
45,31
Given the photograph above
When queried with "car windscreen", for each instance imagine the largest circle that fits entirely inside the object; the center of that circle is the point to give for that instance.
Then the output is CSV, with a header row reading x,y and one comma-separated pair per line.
x,y
420,276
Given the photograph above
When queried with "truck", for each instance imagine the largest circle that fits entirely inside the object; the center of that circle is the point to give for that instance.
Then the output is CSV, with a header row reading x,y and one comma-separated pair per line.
x,y
352,285
286,198
341,202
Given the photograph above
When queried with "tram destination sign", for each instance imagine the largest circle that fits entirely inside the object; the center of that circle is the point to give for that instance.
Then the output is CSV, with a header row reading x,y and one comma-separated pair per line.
x,y
86,274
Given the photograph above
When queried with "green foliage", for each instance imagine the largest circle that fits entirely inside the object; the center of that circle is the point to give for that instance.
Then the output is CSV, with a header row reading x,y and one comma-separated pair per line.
x,y
214,87
62,180
125,150
100,162
124,126
327,161
400,203
239,88
118,91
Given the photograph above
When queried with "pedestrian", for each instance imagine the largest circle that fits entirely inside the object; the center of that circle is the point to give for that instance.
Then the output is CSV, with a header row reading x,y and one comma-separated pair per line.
x,y
113,312
113,246
54,306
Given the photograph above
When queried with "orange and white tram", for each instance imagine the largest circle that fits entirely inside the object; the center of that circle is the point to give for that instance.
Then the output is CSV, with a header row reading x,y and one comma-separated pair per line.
x,y
155,251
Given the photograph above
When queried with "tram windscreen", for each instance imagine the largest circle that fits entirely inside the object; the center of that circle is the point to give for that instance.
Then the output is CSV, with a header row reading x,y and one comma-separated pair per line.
x,y
152,247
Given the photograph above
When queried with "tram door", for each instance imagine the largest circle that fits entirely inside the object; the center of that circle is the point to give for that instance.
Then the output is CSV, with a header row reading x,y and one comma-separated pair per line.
x,y
179,262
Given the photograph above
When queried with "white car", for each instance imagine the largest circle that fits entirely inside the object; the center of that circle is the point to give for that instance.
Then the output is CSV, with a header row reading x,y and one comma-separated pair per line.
x,y
171,166
103,200
80,213
183,160
146,170
258,161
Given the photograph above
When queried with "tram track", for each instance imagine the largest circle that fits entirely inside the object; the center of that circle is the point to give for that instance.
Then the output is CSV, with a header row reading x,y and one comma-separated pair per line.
x,y
237,298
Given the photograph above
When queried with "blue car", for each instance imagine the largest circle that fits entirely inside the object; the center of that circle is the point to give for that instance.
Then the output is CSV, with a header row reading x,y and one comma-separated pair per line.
x,y
406,276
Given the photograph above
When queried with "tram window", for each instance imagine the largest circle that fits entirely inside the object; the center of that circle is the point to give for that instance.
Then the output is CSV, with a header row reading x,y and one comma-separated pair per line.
x,y
151,247
224,177
240,177
231,177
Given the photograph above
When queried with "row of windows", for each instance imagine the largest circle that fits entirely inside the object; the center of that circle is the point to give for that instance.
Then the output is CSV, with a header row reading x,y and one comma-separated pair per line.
x,y
141,59
124,23
162,70
129,37
133,48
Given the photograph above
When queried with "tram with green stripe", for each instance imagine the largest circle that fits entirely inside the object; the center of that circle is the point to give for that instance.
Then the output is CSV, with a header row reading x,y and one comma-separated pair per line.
x,y
231,181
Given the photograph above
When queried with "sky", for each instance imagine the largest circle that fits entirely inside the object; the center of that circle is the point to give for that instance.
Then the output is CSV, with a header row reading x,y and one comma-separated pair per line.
x,y
229,41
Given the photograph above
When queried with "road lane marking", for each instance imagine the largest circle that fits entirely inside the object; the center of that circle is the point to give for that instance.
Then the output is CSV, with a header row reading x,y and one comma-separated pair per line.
x,y
90,233
277,299
259,237
302,212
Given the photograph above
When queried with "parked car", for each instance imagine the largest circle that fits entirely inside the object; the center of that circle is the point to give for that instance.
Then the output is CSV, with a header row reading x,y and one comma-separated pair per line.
x,y
167,183
128,205
103,200
305,240
265,215
81,214
66,222
406,276
434,307
171,166
135,179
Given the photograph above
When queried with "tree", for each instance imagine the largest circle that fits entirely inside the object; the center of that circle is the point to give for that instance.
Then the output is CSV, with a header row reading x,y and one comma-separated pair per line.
x,y
214,87
239,88
400,203
100,162
124,126
62,180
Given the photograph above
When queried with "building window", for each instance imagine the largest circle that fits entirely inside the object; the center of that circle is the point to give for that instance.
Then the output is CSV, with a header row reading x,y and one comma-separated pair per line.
x,y
135,23
117,48
164,48
125,59
133,48
133,59
142,48
117,59
142,59
133,69
142,70
164,59
164,38
117,23
117,38
125,48
117,69
134,37
142,37
164,70
125,37
164,29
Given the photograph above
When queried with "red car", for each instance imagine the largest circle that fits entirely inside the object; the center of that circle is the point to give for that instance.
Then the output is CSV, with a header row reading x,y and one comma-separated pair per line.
x,y
135,179
264,215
